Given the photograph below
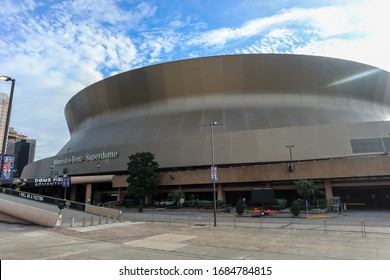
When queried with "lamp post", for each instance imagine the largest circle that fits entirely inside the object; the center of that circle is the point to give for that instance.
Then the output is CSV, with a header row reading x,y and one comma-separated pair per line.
x,y
52,171
213,172
65,172
7,79
290,166
213,169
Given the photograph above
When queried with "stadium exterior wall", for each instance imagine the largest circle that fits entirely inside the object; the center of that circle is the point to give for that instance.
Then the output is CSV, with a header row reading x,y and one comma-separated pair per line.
x,y
263,103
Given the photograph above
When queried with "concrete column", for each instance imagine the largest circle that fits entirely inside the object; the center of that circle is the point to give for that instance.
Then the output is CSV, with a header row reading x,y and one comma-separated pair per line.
x,y
73,192
220,192
88,193
328,190
119,192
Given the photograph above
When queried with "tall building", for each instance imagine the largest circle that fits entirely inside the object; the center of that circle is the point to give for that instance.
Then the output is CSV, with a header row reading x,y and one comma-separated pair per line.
x,y
22,148
4,101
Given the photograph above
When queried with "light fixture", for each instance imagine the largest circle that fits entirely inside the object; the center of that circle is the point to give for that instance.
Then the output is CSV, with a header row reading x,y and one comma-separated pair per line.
x,y
5,78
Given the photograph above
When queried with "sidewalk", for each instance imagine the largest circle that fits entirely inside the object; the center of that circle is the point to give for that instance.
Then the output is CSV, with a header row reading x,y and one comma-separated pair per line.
x,y
162,241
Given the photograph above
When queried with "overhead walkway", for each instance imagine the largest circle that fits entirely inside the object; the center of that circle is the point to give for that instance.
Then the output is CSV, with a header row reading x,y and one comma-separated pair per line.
x,y
30,208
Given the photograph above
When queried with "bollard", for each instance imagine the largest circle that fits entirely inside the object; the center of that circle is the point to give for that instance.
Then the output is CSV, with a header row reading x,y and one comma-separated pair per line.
x,y
92,220
170,219
84,222
100,219
234,222
189,220
72,222
120,217
325,229
363,227
291,225
260,224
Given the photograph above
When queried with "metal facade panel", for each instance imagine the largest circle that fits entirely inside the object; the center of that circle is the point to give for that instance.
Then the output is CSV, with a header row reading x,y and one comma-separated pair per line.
x,y
261,100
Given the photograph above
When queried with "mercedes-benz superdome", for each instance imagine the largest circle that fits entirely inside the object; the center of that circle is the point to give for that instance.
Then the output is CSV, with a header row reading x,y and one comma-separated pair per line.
x,y
327,107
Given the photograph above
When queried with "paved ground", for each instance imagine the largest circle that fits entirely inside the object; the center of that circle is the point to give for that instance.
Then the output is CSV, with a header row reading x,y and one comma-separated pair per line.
x,y
156,240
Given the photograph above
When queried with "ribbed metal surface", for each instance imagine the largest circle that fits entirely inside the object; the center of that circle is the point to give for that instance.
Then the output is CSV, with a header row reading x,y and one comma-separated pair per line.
x,y
263,101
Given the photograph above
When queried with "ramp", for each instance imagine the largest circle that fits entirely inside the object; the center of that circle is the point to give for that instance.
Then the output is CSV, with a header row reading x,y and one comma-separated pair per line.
x,y
44,207
17,212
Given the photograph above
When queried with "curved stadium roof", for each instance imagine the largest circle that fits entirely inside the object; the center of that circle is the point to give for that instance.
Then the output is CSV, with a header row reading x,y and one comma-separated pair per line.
x,y
166,108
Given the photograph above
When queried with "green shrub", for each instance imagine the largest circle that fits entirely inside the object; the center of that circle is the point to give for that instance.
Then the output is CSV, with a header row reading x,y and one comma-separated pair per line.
x,y
221,204
205,204
295,208
240,207
323,203
279,204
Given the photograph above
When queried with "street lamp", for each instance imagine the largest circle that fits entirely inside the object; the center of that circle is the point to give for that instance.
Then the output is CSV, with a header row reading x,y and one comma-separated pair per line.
x,y
290,165
213,172
65,172
7,79
213,169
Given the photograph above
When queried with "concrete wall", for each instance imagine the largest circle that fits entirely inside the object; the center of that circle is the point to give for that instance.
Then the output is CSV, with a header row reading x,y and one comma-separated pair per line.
x,y
364,166
114,213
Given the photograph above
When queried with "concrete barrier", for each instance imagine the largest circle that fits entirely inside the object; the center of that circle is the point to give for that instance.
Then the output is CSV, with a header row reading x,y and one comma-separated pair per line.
x,y
97,210
11,219
29,214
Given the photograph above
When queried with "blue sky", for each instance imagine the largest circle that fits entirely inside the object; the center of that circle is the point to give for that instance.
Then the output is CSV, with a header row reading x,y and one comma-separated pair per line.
x,y
56,48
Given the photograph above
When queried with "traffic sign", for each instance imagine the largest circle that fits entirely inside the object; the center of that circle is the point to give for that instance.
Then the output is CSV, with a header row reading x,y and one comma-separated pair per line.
x,y
66,182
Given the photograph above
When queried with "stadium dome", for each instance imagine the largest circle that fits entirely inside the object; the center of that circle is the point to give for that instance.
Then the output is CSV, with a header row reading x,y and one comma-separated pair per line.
x,y
261,103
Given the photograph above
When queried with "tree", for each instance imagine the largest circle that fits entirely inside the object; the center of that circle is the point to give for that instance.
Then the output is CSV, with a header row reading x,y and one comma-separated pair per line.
x,y
143,179
306,189
176,195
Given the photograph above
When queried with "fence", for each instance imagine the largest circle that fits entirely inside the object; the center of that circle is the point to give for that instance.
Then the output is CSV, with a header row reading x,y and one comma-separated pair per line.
x,y
292,224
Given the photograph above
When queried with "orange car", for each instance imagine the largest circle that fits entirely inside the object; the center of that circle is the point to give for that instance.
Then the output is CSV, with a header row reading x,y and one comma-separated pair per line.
x,y
262,212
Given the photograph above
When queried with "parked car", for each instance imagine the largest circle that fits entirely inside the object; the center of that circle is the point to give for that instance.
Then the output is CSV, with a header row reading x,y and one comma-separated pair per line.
x,y
168,202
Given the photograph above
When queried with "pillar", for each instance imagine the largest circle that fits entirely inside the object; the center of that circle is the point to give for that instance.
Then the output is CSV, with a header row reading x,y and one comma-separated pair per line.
x,y
328,191
119,194
73,192
220,193
88,194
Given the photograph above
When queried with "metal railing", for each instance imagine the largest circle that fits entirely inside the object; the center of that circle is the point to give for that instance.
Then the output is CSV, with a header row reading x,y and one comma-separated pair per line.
x,y
345,225
321,225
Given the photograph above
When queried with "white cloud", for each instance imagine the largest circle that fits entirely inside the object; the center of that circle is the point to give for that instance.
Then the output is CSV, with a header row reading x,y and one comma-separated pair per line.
x,y
355,32
56,51
252,28
55,57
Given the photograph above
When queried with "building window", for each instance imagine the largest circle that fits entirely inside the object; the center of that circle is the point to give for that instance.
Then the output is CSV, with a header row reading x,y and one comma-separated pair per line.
x,y
368,145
